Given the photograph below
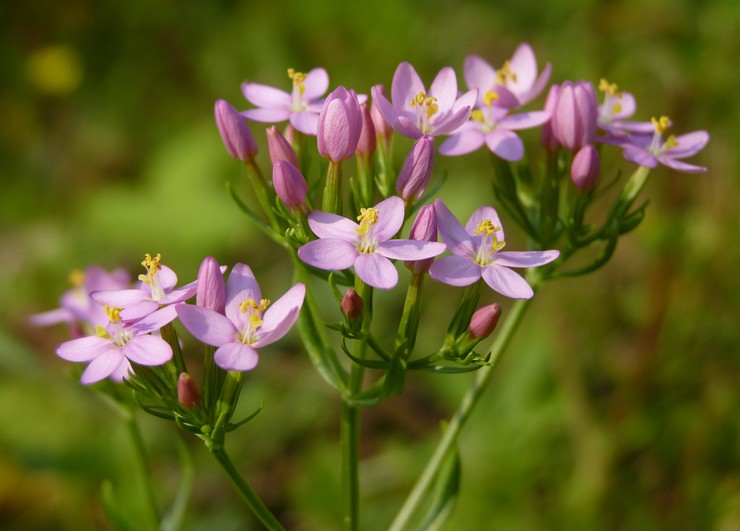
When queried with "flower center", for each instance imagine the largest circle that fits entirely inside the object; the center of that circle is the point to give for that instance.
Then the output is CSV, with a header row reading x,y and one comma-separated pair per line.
x,y
505,74
426,108
120,336
152,266
253,320
299,87
489,244
367,218
657,146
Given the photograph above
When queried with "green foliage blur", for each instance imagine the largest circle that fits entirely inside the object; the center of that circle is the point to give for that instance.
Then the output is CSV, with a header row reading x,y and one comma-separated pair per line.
x,y
616,405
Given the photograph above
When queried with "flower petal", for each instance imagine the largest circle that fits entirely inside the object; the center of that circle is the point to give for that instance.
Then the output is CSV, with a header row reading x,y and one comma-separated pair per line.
x,y
240,286
536,88
60,315
267,115
316,84
102,366
83,349
266,96
167,278
147,350
306,122
506,282
236,357
481,214
390,218
462,142
376,271
688,145
505,144
455,271
525,258
640,156
451,122
329,254
206,325
281,316
524,120
138,310
452,232
154,321
411,250
524,64
120,297
681,166
444,88
405,86
328,225
479,75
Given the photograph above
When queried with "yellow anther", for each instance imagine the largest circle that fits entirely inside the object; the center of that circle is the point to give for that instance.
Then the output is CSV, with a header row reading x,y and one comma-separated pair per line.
x,y
505,74
100,331
248,304
419,99
489,97
113,313
486,227
478,116
496,245
431,106
264,303
77,277
255,321
661,124
609,88
152,264
617,108
368,215
670,142
298,79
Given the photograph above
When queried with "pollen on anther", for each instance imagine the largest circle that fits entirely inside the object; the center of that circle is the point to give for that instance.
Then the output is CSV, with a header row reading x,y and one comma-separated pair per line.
x,y
486,227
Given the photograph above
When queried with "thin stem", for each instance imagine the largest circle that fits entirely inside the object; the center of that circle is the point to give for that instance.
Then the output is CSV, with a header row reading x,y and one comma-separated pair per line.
x,y
332,200
265,194
142,463
250,497
452,431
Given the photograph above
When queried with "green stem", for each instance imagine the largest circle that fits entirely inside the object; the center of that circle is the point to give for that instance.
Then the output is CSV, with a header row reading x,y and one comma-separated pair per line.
x,y
468,402
332,200
250,497
142,463
265,194
631,190
170,335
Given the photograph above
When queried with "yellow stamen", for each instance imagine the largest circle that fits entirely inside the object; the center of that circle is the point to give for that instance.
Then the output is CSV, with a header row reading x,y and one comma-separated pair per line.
x,y
152,265
255,321
609,88
670,142
617,108
113,313
486,227
661,124
77,277
505,74
478,116
100,331
298,79
490,97
496,245
367,217
428,103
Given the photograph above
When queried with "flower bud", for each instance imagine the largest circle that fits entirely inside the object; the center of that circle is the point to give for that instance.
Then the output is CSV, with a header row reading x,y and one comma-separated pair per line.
x,y
211,291
483,321
367,143
382,128
280,148
289,134
575,115
425,229
188,394
234,132
585,168
414,176
548,140
352,304
290,186
340,125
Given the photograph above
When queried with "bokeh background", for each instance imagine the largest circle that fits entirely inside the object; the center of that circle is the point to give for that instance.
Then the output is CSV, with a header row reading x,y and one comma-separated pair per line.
x,y
616,405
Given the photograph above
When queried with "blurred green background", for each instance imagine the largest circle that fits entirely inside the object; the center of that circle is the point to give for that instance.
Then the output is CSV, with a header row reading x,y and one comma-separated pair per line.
x,y
615,407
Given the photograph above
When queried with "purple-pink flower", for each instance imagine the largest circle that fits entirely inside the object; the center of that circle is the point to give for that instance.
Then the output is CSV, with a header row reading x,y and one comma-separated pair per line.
x,y
340,125
574,114
416,112
366,246
110,351
301,106
476,253
614,111
234,131
250,322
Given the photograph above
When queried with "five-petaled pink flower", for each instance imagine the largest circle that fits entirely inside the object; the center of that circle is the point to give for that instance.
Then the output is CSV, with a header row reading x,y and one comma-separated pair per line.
x,y
476,253
416,112
248,324
366,246
301,106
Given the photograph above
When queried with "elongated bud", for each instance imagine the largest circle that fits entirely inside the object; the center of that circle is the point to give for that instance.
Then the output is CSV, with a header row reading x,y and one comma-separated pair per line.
x,y
585,168
340,125
211,291
290,186
414,176
188,394
280,148
575,115
234,132
423,229
352,304
367,144
382,128
484,321
548,140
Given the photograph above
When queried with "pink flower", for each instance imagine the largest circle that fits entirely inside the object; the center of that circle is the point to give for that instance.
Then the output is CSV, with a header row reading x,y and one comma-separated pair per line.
x,y
250,322
585,168
475,254
290,185
424,229
574,115
279,147
368,142
234,132
301,106
340,125
615,109
365,246
416,112
417,168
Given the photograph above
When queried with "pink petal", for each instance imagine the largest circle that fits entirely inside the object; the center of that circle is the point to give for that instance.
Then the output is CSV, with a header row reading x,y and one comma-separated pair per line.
x,y
167,278
506,282
681,166
628,106
411,250
206,325
121,371
120,298
466,100
236,357
329,254
281,316
407,127
390,218
376,271
328,225
524,120
462,142
484,213
688,145
316,83
538,86
138,310
147,350
640,157
444,88
505,144
267,115
102,366
385,108
180,294
524,64
60,315
452,232
155,320
525,258
240,286
84,348
455,271
405,86
451,122
266,96
306,122
479,75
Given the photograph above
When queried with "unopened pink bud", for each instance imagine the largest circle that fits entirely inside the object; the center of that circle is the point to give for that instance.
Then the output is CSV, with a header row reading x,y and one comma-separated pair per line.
x,y
423,229
382,128
234,132
484,321
188,394
352,304
585,168
367,144
548,140
576,112
290,186
280,148
211,291
414,176
340,125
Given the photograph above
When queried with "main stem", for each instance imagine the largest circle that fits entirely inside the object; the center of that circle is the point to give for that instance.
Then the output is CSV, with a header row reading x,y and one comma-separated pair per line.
x,y
142,464
452,431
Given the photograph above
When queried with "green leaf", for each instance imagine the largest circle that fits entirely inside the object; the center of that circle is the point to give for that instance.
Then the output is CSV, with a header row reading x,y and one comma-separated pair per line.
x,y
445,492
